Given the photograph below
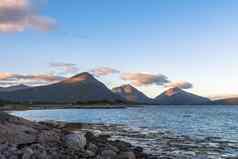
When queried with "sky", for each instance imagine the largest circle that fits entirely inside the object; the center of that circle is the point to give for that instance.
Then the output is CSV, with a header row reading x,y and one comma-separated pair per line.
x,y
152,44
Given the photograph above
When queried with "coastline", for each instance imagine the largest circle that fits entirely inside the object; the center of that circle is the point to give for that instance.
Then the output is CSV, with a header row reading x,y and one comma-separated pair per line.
x,y
54,140
164,144
58,106
23,107
119,140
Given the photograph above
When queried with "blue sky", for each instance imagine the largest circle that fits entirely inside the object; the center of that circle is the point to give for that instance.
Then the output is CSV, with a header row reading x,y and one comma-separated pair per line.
x,y
190,40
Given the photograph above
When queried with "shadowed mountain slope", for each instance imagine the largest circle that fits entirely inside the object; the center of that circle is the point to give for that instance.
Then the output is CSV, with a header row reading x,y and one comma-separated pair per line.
x,y
132,94
13,88
176,96
80,88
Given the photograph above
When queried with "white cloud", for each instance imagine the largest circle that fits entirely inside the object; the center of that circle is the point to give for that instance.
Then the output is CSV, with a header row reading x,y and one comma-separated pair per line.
x,y
179,84
141,79
36,79
64,68
104,71
17,15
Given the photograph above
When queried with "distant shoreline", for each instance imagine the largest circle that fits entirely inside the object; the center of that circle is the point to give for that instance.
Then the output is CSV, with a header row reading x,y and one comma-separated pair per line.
x,y
22,107
50,107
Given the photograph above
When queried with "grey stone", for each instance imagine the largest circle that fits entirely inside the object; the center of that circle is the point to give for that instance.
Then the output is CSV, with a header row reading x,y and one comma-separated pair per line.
x,y
2,157
108,154
75,141
48,136
28,152
126,155
90,153
92,147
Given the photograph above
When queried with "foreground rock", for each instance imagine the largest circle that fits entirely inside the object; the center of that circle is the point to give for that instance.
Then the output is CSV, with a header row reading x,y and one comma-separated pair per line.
x,y
22,139
166,145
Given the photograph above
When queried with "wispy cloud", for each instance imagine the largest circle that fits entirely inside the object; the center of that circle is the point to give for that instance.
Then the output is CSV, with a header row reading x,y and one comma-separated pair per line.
x,y
5,75
64,68
180,84
17,15
103,71
141,79
9,78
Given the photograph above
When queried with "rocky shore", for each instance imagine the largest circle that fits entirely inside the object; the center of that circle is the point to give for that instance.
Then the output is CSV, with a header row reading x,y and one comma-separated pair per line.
x,y
23,139
167,145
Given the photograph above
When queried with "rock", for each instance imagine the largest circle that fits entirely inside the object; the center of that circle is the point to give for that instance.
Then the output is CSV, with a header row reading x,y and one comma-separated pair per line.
x,y
138,149
113,148
121,145
48,136
39,151
104,137
2,157
89,136
92,147
75,141
28,152
90,153
55,124
126,155
40,155
108,154
3,147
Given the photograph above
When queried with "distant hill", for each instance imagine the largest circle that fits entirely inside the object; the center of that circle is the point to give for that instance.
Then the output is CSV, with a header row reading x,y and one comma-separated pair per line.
x,y
13,88
80,88
132,94
176,96
226,101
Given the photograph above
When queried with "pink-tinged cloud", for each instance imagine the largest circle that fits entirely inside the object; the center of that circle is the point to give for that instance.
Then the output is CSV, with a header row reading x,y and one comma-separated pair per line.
x,y
141,79
19,78
47,78
179,84
65,68
5,75
104,71
17,15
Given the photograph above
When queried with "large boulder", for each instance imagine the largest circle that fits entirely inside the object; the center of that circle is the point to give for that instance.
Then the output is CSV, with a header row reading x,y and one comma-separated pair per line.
x,y
75,141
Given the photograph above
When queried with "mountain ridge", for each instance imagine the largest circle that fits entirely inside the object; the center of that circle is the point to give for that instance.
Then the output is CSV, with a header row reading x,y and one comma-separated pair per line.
x,y
82,87
132,94
177,96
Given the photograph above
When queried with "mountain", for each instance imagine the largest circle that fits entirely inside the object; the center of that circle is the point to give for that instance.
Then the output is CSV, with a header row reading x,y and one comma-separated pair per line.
x,y
226,101
176,96
80,88
132,94
13,88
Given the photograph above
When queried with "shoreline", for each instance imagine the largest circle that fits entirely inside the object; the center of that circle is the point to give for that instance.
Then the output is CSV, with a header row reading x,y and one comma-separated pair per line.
x,y
50,107
116,139
21,107
25,139
159,144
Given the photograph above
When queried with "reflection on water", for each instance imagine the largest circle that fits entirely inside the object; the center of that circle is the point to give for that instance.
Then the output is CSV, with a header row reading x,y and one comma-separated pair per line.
x,y
199,121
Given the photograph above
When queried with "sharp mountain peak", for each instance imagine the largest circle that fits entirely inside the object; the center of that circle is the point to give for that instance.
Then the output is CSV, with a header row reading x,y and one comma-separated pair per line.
x,y
172,91
85,76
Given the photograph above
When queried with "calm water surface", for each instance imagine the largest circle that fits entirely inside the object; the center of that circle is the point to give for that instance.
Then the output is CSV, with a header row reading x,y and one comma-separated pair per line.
x,y
199,121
